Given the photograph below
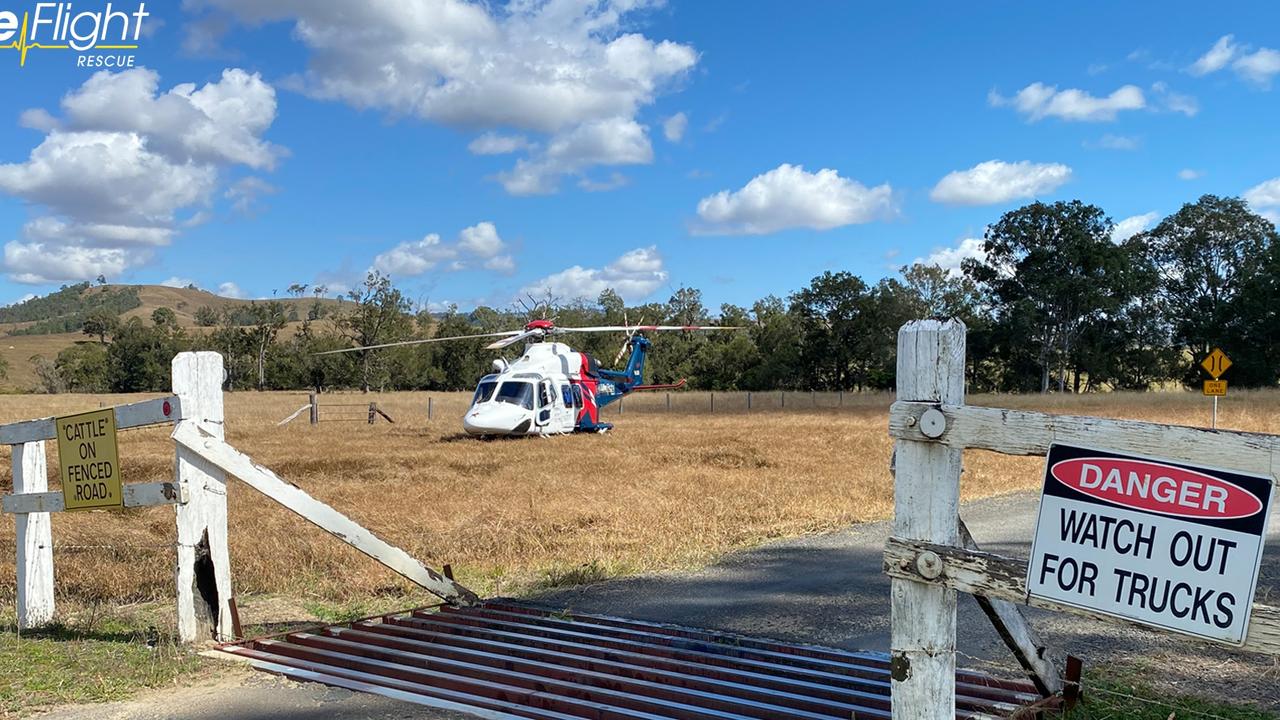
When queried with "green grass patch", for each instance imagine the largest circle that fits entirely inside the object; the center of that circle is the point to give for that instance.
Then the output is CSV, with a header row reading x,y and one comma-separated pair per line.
x,y
61,664
1122,696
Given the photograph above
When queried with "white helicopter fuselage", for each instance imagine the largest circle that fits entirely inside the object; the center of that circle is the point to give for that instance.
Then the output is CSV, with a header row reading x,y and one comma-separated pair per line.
x,y
544,392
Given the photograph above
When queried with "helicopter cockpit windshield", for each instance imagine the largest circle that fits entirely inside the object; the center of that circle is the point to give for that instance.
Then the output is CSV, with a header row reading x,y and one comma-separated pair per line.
x,y
516,392
484,391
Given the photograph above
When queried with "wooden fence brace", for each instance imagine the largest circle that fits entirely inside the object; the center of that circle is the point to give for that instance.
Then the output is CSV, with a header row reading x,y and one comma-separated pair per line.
x,y
212,452
1017,634
926,501
315,408
34,539
203,569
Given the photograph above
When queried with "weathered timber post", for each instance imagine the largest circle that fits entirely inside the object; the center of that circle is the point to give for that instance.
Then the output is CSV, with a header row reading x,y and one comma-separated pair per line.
x,y
668,402
748,401
373,409
204,568
429,409
34,538
713,402
782,396
926,508
315,409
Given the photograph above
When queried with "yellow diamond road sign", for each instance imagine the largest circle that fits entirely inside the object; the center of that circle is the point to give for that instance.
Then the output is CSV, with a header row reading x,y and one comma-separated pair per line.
x,y
1216,363
89,461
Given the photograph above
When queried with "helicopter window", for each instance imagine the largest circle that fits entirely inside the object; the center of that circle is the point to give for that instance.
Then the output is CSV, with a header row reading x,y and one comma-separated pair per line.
x,y
545,394
484,391
516,393
568,395
577,395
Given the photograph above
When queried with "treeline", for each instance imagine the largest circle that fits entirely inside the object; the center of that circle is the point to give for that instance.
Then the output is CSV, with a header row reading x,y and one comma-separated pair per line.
x,y
1055,303
66,309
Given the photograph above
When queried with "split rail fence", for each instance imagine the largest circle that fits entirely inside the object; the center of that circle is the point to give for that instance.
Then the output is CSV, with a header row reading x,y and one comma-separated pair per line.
x,y
198,492
930,556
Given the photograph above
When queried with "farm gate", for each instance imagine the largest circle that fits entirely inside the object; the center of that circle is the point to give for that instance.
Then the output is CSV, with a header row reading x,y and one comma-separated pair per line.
x,y
930,556
205,604
367,413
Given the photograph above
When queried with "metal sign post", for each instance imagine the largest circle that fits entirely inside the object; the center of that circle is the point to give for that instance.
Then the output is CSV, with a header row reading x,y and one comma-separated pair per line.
x,y
1215,363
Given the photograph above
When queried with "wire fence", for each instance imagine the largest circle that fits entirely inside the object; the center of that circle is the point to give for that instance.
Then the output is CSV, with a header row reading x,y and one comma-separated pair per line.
x,y
745,402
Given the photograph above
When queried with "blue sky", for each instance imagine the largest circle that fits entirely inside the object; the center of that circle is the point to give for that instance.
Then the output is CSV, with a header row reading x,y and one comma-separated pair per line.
x,y
477,153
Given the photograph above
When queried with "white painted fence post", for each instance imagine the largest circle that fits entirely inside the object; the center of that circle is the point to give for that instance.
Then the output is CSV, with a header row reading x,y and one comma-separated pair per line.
x,y
204,569
35,539
926,507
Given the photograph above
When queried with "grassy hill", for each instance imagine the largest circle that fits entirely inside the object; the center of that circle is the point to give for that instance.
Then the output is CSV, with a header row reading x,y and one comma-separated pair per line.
x,y
49,324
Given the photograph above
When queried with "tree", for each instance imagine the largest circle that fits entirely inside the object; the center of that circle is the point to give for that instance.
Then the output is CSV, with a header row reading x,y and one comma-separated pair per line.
x,y
164,317
830,311
267,319
1212,256
100,323
206,316
380,315
1052,269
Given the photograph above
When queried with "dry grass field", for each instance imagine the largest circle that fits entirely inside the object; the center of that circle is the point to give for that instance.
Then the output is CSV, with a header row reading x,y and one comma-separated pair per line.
x,y
664,490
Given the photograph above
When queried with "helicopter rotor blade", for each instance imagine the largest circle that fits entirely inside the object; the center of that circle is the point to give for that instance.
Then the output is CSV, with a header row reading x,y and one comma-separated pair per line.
x,y
419,342
515,338
645,328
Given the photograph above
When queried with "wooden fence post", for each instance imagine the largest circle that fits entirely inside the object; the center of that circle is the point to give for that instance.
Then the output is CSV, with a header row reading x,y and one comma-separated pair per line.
x,y
748,401
373,408
429,408
315,409
204,569
926,507
34,538
713,402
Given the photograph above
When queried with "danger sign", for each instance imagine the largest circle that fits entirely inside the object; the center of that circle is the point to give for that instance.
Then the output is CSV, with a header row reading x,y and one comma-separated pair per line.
x,y
89,461
1158,542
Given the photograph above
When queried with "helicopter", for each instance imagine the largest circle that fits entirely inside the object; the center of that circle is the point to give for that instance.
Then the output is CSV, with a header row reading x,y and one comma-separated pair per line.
x,y
552,389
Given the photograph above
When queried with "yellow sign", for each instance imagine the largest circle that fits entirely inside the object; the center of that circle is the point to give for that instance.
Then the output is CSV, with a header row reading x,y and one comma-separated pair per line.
x,y
1215,388
1216,363
89,461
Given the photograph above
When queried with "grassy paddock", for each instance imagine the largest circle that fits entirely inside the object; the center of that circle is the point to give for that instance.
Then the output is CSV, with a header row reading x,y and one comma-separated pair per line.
x,y
664,490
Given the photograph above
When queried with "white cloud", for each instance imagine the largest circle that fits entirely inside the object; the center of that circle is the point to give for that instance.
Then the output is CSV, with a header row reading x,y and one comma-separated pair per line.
x,y
38,119
1131,226
481,240
1038,101
1171,101
110,186
613,182
1264,198
245,193
615,141
951,258
1116,142
177,282
789,197
544,67
634,276
673,127
995,181
1189,174
1216,58
231,290
492,143
478,242
1259,66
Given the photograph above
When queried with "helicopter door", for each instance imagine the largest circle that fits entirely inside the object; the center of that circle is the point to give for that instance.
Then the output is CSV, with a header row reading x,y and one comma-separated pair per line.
x,y
546,404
